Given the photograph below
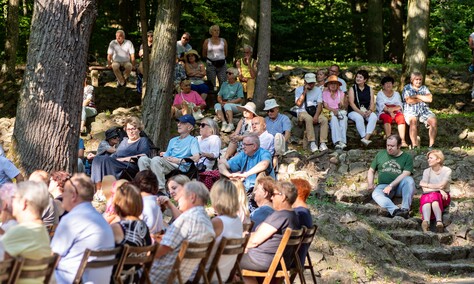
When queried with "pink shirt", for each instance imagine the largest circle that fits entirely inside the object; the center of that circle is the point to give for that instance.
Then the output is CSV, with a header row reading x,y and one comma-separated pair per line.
x,y
333,103
191,97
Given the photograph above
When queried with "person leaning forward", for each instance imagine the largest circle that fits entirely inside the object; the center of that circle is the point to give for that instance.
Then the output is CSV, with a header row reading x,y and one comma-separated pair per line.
x,y
121,53
394,168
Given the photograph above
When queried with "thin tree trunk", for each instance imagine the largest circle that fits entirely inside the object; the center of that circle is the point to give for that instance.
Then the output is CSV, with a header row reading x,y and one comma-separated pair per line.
x,y
375,31
247,26
396,31
146,54
159,93
358,32
125,12
416,47
11,42
46,131
264,45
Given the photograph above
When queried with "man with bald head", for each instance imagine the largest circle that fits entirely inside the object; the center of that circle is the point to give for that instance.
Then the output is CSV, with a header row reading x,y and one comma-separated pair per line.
x,y
267,140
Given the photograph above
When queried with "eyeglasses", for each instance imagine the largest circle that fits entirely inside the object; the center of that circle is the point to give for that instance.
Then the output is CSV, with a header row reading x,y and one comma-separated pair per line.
x,y
203,125
255,123
73,185
247,144
271,110
277,193
229,73
131,129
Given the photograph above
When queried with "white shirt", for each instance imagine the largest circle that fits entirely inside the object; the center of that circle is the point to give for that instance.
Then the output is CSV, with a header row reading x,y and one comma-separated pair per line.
x,y
313,97
382,100
211,144
267,142
121,52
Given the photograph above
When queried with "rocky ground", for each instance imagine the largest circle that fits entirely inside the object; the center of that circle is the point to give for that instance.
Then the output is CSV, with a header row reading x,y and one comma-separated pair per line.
x,y
355,242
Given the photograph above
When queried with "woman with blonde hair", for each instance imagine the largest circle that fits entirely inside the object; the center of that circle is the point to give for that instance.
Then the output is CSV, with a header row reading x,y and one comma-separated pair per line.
x,y
244,212
214,49
435,185
176,190
227,224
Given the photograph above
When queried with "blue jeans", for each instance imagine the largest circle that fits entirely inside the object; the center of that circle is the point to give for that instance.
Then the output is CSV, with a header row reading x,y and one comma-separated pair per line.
x,y
405,189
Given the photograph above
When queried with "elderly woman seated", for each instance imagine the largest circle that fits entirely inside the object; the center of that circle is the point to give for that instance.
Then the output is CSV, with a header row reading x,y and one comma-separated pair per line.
x,y
196,71
187,101
229,97
209,143
132,147
262,245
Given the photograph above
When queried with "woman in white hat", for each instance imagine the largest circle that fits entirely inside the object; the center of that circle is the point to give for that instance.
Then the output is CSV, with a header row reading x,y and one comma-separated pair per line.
x,y
243,127
335,101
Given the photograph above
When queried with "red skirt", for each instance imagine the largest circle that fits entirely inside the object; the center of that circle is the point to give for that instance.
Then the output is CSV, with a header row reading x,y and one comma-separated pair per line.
x,y
432,197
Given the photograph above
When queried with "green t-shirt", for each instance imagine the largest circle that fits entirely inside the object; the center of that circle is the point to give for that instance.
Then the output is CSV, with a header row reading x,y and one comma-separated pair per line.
x,y
389,167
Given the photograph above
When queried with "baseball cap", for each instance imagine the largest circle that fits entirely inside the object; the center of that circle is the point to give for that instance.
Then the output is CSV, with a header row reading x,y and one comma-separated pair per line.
x,y
310,78
187,118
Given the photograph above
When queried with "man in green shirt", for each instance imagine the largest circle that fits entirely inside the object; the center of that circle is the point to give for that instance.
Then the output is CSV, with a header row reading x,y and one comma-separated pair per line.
x,y
394,168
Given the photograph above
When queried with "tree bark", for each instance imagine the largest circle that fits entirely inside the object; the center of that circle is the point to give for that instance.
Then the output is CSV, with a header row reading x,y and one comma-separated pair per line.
x,y
159,93
46,131
126,11
375,31
11,42
264,45
247,26
396,31
146,54
416,47
358,27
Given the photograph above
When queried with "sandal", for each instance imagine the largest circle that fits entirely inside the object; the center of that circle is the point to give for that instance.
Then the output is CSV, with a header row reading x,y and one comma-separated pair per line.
x,y
425,226
404,145
439,227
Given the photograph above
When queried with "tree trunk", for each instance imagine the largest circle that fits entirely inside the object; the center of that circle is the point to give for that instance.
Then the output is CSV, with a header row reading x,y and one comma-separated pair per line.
x,y
46,131
264,45
247,26
11,42
159,93
358,28
396,31
126,11
416,47
146,54
375,31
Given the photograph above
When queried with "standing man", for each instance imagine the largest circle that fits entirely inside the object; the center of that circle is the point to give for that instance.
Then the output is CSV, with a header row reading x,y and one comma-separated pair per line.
x,y
334,70
82,228
415,98
183,46
247,67
278,125
394,168
183,146
309,99
121,54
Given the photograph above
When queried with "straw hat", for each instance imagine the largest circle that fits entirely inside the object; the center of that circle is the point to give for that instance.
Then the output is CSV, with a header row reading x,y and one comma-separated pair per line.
x,y
250,106
332,79
192,51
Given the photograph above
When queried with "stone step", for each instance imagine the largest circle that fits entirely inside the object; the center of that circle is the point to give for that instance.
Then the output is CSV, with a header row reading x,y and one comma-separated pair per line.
x,y
456,267
411,237
386,223
442,253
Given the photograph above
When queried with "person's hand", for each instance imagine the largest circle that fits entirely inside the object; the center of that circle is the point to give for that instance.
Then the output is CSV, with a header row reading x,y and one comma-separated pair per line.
x,y
238,176
444,194
163,200
387,189
161,154
315,120
172,160
90,156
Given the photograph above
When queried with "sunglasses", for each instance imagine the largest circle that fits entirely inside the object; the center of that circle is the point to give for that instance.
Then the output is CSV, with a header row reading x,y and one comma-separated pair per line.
x,y
203,125
271,110
229,73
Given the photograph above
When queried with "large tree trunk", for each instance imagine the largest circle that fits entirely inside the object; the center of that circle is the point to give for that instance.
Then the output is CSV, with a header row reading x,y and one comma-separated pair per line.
x,y
396,31
416,47
264,45
247,26
375,31
11,42
159,93
46,131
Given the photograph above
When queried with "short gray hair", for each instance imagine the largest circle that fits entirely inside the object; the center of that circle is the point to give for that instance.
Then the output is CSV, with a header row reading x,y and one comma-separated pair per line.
x,y
120,32
234,71
254,137
83,185
36,193
199,189
246,46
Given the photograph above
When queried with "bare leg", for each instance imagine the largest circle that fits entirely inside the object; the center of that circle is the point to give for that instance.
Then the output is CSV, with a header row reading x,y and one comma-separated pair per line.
x,y
413,131
230,116
433,131
401,132
220,115
426,209
387,128
437,211
231,149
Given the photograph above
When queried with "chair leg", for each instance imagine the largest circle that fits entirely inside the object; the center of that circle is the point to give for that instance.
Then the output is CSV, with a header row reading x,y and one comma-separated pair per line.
x,y
310,266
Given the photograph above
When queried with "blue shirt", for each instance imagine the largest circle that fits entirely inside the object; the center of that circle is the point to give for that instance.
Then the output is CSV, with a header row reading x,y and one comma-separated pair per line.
x,y
182,148
242,163
82,228
259,215
280,125
8,171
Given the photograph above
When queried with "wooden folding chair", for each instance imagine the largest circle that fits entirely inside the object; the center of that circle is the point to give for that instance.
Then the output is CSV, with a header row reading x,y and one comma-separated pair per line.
x,y
37,268
192,251
229,247
142,256
290,241
307,239
105,258
9,270
247,227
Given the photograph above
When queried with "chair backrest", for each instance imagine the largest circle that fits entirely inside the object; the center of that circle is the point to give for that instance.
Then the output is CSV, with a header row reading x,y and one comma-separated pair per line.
x,y
293,245
37,268
192,251
247,227
9,270
104,258
228,247
143,256
290,242
309,235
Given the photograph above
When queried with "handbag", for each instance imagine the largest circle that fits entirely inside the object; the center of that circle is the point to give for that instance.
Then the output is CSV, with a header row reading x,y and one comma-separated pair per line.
x,y
311,110
201,167
185,167
217,63
361,107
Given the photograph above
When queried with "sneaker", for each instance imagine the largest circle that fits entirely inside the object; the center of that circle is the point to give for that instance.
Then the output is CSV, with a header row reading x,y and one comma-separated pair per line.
x,y
230,127
224,126
404,213
471,68
366,142
342,145
338,145
313,147
323,147
425,226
